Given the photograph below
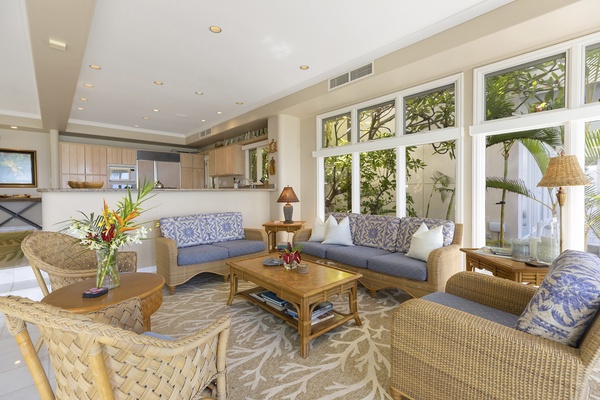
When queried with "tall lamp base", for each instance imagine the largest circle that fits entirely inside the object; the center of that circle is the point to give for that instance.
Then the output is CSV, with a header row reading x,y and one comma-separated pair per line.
x,y
288,210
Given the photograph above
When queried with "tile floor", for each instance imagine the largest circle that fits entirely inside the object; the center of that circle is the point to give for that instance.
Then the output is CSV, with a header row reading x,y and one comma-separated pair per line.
x,y
15,381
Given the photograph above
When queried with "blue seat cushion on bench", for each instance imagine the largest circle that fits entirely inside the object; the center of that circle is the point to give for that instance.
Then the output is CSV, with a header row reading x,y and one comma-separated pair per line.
x,y
241,247
201,254
316,249
473,308
356,256
399,265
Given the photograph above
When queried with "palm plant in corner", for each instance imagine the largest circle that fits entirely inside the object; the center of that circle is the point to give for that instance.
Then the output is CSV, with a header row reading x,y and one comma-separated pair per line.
x,y
112,229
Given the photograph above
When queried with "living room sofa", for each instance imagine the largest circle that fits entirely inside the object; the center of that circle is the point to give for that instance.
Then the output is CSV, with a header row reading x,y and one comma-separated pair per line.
x,y
379,250
190,245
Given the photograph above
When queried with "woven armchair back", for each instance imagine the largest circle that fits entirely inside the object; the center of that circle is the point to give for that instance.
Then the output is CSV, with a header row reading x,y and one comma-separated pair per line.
x,y
65,260
95,356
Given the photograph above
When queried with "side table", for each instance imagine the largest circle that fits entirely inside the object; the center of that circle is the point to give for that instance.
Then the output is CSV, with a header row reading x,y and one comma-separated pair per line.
x,y
279,226
504,267
146,286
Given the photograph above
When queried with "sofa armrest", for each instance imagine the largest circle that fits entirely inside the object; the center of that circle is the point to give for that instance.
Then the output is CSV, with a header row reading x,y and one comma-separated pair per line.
x,y
442,263
256,234
475,356
166,253
501,294
301,235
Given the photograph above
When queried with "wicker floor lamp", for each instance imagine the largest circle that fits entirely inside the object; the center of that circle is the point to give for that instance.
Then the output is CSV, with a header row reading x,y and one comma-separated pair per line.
x,y
563,171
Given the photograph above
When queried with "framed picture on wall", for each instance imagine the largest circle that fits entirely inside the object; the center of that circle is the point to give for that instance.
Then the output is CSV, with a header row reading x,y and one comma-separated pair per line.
x,y
18,168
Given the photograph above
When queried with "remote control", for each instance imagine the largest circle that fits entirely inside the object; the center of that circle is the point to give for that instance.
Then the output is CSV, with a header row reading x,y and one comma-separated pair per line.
x,y
95,292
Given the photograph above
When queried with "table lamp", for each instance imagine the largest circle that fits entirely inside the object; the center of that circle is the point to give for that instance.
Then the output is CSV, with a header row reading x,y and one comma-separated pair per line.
x,y
288,196
563,171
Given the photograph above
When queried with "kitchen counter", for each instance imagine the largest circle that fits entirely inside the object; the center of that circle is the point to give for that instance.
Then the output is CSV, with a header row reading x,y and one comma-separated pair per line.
x,y
59,205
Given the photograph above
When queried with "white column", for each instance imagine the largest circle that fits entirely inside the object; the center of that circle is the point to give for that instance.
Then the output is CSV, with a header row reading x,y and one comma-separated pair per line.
x,y
54,160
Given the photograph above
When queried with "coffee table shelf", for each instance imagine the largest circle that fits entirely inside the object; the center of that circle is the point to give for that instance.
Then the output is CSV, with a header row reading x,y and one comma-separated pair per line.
x,y
304,291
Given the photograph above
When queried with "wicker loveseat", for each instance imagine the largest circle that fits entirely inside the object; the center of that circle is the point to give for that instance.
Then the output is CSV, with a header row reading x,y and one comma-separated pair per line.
x,y
378,251
190,245
465,348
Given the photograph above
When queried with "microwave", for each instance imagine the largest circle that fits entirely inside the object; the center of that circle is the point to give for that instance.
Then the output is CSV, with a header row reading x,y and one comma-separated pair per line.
x,y
121,176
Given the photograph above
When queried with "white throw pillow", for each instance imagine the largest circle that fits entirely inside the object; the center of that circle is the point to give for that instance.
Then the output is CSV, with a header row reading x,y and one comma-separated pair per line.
x,y
424,241
318,231
338,233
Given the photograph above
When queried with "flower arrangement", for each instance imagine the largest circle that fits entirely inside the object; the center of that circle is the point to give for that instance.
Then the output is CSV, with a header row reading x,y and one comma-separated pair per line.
x,y
291,254
112,229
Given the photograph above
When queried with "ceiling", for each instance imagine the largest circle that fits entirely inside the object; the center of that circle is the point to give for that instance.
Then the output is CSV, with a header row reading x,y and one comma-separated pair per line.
x,y
207,78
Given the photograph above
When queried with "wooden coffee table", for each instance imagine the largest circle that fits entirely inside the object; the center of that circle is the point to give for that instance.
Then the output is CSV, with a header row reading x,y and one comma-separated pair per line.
x,y
303,291
146,286
504,267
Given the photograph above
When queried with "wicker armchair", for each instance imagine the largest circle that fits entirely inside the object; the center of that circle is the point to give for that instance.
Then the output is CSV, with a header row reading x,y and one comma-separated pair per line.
x,y
103,356
65,260
442,353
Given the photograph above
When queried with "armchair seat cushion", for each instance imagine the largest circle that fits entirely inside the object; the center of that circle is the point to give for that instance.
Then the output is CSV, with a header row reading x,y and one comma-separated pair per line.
x,y
236,248
200,254
473,308
398,264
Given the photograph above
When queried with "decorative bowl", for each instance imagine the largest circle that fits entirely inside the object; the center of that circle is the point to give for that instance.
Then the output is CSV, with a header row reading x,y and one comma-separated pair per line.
x,y
93,184
75,184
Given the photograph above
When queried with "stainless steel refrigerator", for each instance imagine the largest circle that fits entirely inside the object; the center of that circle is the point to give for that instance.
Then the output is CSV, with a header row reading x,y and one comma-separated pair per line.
x,y
159,166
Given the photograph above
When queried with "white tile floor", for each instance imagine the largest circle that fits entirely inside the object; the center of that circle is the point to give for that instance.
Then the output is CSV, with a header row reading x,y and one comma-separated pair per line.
x,y
15,381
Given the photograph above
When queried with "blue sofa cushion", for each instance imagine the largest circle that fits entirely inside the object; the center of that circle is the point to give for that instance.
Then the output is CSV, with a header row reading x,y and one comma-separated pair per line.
x,y
227,226
241,247
189,230
315,248
398,264
200,254
353,255
567,301
473,308
379,231
409,225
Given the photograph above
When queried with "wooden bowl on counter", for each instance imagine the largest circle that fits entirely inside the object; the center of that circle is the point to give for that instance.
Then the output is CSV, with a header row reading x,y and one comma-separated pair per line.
x,y
75,184
93,184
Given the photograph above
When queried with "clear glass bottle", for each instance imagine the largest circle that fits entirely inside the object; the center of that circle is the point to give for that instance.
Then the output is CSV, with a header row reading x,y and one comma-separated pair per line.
x,y
548,247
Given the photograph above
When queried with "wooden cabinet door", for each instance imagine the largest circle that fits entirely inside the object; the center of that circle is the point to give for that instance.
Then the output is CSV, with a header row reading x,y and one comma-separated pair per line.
x,y
129,156
114,155
95,160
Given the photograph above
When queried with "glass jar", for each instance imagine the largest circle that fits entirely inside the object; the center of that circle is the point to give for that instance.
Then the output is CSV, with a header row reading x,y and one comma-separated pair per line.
x,y
548,246
520,249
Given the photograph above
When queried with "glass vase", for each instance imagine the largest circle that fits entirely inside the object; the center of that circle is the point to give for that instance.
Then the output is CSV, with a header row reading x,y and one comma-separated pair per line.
x,y
108,272
548,246
291,265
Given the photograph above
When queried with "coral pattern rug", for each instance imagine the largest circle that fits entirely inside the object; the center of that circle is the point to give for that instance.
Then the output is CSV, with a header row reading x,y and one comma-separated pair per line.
x,y
263,357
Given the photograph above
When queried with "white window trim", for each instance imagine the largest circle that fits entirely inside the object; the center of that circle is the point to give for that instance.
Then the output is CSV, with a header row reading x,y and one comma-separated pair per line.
x,y
572,117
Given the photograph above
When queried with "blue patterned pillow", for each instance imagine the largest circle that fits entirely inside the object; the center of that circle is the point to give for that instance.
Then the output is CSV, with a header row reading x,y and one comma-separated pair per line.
x,y
186,231
409,225
227,226
378,231
567,301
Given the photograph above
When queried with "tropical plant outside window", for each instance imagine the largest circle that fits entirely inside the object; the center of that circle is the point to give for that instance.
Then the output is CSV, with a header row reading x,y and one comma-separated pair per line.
x,y
425,111
258,163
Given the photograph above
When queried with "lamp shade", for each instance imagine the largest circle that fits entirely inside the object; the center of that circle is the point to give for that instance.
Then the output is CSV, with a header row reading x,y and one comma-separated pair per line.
x,y
564,171
288,196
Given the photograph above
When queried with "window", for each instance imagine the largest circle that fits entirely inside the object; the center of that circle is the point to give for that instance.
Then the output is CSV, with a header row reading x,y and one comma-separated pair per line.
x,y
336,131
592,196
374,176
528,88
257,161
592,73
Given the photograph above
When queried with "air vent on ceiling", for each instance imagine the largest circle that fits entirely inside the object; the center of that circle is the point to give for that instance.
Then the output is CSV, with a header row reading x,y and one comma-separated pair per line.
x,y
205,133
350,76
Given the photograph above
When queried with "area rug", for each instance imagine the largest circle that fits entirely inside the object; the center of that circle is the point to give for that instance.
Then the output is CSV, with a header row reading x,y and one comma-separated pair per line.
x,y
10,249
263,359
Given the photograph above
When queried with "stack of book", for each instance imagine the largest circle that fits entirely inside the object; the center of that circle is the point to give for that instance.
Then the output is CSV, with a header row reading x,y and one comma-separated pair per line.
x,y
322,312
271,299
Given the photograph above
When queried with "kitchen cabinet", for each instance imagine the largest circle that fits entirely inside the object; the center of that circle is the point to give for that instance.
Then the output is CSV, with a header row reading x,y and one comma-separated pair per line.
x,y
121,155
192,171
226,161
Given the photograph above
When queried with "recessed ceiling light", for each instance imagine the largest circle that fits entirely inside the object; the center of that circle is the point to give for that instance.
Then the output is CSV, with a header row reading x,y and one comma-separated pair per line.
x,y
95,67
202,120
80,108
215,29
136,126
239,103
155,110
219,112
14,127
146,117
88,85
83,98
199,93
158,83
304,67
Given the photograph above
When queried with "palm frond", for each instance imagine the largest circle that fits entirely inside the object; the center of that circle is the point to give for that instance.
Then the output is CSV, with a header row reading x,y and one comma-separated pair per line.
x,y
510,185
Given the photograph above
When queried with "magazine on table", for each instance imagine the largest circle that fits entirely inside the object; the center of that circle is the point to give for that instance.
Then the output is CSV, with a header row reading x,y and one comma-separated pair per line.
x,y
319,310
